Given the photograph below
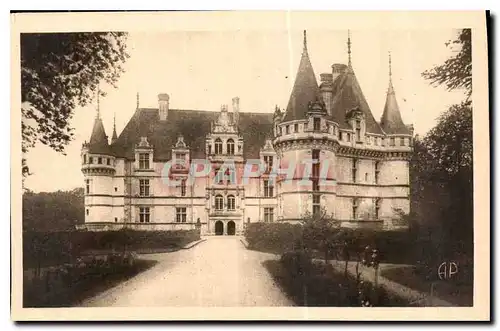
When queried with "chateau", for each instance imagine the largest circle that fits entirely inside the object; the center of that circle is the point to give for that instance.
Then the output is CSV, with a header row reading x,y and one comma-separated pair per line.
x,y
359,170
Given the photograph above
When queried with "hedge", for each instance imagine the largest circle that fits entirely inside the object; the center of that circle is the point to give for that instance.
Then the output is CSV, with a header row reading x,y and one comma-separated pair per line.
x,y
54,248
278,238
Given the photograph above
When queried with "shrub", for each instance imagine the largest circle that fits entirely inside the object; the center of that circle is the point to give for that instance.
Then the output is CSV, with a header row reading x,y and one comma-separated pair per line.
x,y
298,263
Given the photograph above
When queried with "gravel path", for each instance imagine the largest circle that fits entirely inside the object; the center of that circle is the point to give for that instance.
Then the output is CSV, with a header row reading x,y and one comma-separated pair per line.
x,y
218,272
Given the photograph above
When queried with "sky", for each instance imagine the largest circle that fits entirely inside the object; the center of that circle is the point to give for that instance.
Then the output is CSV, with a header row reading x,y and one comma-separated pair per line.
x,y
205,69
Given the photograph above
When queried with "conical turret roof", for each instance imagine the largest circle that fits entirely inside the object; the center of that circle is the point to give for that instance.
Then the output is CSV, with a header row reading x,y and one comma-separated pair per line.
x,y
305,89
98,143
391,121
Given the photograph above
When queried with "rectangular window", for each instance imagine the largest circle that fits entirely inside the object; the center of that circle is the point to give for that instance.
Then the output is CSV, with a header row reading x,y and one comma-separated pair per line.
x,y
354,208
209,149
87,186
315,185
144,215
144,187
354,169
296,127
287,129
377,208
108,161
268,214
91,160
348,137
340,135
375,141
281,131
317,123
401,141
84,158
393,141
377,171
268,160
87,211
268,189
358,131
143,161
180,214
315,165
99,160
183,188
316,204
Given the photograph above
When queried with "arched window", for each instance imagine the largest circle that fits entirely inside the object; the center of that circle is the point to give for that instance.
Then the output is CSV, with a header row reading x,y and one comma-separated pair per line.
x,y
219,202
218,146
230,146
231,202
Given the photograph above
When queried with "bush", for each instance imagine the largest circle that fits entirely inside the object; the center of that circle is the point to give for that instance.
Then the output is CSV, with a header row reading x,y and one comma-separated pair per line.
x,y
298,263
273,237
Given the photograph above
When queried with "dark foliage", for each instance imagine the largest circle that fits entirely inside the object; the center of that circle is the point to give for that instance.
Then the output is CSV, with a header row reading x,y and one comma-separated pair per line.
x,y
53,211
60,71
456,72
55,248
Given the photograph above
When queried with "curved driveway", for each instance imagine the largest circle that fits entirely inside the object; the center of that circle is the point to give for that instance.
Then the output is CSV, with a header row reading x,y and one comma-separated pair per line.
x,y
219,272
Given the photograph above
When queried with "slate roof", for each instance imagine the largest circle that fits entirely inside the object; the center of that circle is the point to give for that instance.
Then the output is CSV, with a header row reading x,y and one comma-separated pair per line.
x,y
194,125
98,143
305,89
391,121
347,94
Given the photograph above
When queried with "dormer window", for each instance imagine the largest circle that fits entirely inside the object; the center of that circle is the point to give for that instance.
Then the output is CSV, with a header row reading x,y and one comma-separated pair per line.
x,y
393,141
340,135
218,146
143,160
108,161
401,141
317,124
230,146
99,160
296,127
287,129
91,160
358,131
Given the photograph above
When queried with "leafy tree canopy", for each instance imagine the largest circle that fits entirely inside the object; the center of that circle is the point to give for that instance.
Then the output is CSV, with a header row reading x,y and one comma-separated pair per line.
x,y
60,71
455,72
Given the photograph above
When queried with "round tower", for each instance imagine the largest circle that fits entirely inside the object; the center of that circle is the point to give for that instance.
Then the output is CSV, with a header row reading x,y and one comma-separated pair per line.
x,y
98,168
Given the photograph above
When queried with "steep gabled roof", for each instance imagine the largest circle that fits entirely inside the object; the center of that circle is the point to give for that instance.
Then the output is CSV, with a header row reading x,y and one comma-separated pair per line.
x,y
305,89
194,125
347,94
98,143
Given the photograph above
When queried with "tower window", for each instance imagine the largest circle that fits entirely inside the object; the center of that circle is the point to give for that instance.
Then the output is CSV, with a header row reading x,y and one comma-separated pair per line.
x,y
377,208
354,170
218,146
116,219
180,214
87,211
84,158
268,214
230,146
340,135
401,141
296,127
287,129
143,161
393,141
317,124
87,186
209,149
144,187
316,204
348,137
99,160
231,202
144,214
377,171
354,208
219,202
315,165
91,160
108,161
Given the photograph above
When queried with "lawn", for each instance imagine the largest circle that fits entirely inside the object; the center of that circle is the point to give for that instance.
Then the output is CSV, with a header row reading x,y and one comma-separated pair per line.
x,y
456,292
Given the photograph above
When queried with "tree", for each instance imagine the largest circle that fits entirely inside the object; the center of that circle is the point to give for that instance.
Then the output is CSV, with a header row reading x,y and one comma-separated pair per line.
x,y
456,72
319,232
60,71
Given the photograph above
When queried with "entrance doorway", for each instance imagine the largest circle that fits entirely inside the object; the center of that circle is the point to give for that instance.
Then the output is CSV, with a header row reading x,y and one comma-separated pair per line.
x,y
219,228
231,228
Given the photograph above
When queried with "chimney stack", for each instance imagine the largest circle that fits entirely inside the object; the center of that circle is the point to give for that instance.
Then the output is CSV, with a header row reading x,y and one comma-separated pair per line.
x,y
236,110
327,91
163,105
